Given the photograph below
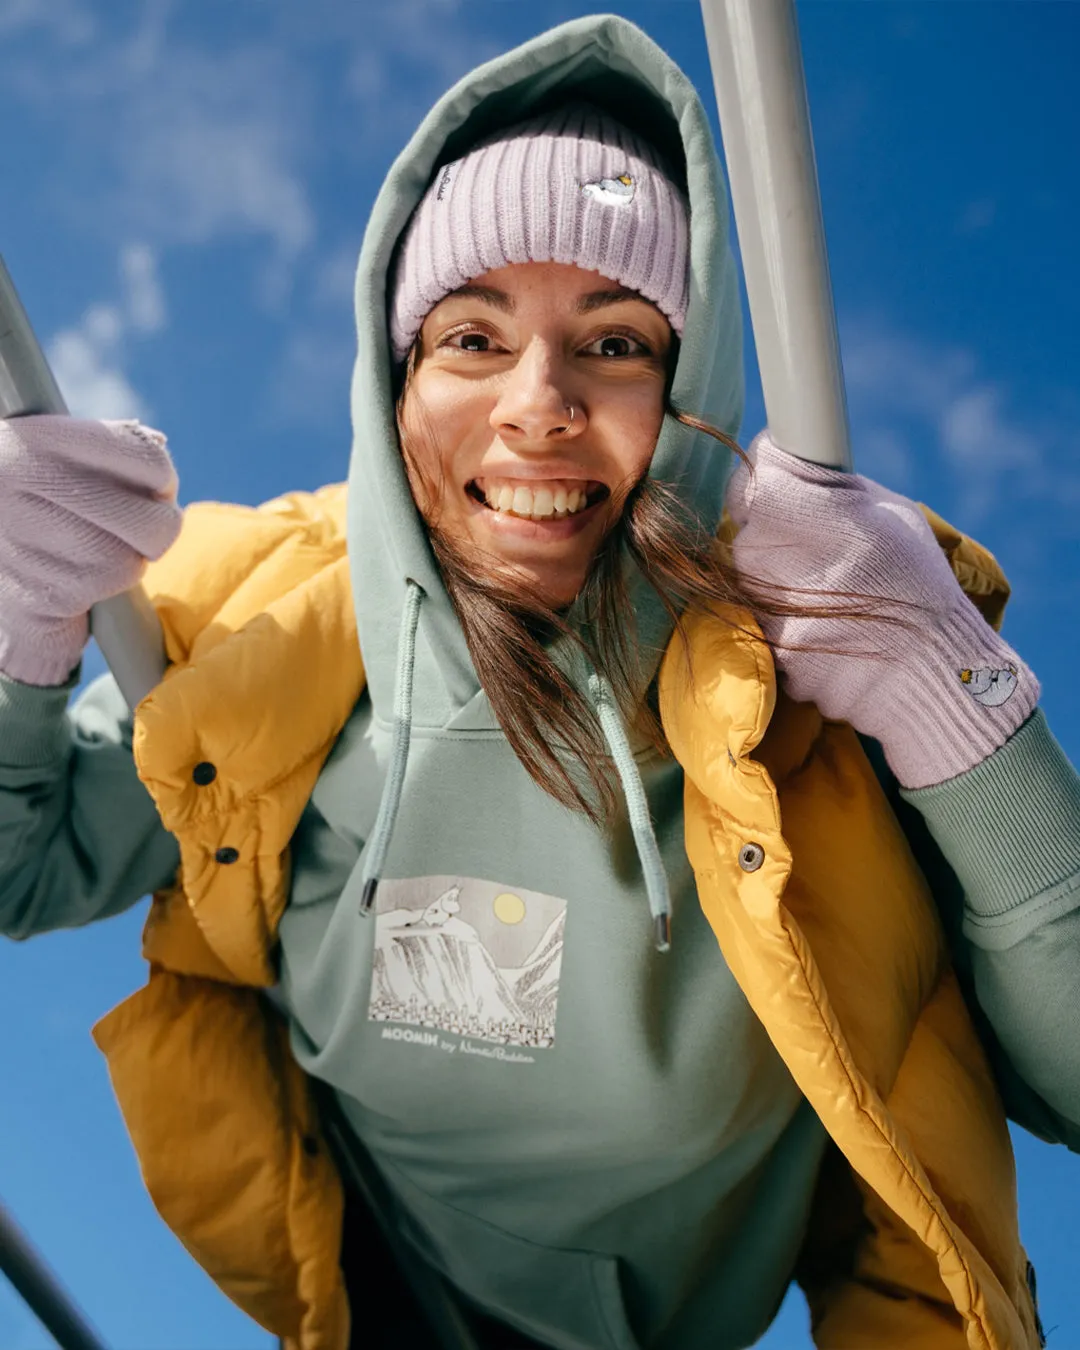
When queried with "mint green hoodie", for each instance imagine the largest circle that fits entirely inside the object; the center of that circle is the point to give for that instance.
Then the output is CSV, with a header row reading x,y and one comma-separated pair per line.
x,y
594,1140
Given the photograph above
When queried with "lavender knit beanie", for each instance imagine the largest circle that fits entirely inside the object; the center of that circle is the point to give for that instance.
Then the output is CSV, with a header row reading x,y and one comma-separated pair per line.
x,y
569,186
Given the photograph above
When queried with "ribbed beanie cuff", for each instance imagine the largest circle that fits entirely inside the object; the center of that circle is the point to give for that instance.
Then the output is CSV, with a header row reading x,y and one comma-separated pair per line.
x,y
569,186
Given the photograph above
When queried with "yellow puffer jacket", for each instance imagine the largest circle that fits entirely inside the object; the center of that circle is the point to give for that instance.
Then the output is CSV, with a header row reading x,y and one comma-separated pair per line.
x,y
834,939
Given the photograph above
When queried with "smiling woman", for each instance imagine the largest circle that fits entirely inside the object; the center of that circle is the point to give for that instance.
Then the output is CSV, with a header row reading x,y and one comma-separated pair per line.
x,y
531,406
532,400
610,1076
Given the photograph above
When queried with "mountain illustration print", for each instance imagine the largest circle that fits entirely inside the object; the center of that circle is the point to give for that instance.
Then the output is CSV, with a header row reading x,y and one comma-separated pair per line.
x,y
470,957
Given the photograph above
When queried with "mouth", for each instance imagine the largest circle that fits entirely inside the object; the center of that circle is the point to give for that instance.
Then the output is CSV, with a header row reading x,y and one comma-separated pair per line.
x,y
549,500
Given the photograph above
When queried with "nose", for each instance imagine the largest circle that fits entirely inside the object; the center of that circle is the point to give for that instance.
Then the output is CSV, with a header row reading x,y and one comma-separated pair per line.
x,y
535,404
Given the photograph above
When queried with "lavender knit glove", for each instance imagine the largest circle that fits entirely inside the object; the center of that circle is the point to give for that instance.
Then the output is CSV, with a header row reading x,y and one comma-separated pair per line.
x,y
82,505
940,690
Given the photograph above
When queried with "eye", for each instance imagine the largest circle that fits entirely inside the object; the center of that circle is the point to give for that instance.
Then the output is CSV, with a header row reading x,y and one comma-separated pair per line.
x,y
468,340
617,346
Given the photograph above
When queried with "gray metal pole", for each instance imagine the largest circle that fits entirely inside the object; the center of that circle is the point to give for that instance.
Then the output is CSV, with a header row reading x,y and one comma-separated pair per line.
x,y
41,1291
765,123
126,627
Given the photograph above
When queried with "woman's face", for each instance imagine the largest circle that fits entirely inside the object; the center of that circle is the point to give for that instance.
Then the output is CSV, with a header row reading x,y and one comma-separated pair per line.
x,y
495,460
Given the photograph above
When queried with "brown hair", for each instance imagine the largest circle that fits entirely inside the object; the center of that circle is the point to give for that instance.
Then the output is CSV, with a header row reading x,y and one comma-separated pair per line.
x,y
511,630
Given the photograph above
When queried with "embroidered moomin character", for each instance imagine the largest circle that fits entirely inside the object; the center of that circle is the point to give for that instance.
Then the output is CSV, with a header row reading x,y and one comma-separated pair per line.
x,y
611,191
990,687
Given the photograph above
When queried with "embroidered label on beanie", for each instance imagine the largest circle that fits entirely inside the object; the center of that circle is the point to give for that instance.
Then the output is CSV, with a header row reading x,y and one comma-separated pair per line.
x,y
445,179
611,191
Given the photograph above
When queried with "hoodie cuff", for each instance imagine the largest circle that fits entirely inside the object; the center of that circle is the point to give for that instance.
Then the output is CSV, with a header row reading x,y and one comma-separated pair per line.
x,y
33,727
1010,829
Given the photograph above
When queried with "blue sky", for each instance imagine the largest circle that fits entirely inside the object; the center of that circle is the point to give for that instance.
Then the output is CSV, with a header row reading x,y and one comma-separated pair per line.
x,y
185,187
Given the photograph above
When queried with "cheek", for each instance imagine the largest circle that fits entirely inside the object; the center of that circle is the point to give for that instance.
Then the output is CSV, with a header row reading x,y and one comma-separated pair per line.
x,y
421,458
639,427
436,431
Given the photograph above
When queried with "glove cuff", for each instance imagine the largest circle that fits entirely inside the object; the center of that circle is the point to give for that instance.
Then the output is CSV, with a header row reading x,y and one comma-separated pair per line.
x,y
43,658
963,693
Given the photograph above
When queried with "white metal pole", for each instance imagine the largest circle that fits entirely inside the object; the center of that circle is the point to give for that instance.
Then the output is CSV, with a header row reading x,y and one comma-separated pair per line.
x,y
765,124
126,627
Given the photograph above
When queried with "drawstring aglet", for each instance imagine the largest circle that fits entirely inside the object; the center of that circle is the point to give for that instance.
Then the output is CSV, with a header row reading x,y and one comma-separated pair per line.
x,y
367,896
637,808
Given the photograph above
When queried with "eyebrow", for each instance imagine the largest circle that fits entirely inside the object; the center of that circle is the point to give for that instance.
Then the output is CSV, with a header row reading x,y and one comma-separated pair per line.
x,y
601,299
488,294
587,304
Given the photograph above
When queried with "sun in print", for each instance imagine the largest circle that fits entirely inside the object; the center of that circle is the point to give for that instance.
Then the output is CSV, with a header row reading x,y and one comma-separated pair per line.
x,y
508,907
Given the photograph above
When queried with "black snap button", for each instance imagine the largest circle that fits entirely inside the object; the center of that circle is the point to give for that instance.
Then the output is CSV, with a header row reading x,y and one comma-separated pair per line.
x,y
204,773
310,1145
751,856
226,855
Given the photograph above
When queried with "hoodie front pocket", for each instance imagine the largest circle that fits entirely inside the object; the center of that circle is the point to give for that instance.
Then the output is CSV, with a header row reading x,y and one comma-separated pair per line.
x,y
568,1299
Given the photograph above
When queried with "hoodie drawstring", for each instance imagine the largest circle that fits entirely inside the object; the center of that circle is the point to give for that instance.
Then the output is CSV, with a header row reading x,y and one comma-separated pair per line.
x,y
637,806
381,834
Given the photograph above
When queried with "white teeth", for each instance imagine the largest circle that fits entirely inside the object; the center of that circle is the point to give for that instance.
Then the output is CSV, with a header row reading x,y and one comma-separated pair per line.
x,y
539,503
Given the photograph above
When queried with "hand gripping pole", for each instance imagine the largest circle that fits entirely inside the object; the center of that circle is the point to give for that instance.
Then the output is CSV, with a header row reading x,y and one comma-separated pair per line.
x,y
126,627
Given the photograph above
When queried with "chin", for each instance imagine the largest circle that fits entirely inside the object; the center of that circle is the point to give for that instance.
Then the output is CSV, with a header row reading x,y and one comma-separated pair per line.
x,y
557,592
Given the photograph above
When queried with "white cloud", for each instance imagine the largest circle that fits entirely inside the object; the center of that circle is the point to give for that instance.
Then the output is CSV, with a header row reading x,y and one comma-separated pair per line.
x,y
311,384
88,358
925,412
85,361
412,51
1000,461
70,21
335,278
212,152
144,298
901,373
180,143
976,429
883,454
188,142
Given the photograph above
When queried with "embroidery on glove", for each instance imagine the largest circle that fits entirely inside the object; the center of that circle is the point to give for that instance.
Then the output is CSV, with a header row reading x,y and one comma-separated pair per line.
x,y
989,687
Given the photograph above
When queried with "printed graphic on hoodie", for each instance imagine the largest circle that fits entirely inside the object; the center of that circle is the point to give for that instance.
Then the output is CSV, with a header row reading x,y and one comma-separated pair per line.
x,y
474,958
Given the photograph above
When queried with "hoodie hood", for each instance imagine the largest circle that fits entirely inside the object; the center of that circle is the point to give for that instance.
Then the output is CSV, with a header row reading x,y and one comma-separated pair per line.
x,y
606,61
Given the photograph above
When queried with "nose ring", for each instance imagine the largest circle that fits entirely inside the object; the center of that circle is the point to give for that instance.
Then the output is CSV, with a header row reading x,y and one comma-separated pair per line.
x,y
570,423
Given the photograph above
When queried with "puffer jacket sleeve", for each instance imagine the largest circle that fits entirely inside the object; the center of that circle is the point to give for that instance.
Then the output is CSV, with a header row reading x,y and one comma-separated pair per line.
x,y
80,837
